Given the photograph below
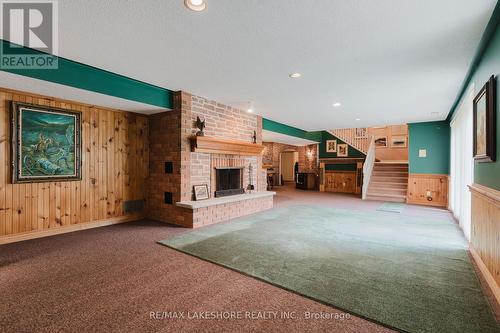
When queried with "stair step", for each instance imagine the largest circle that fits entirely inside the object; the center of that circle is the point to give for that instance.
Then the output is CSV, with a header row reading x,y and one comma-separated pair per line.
x,y
389,172
376,178
387,199
377,167
391,163
388,190
389,185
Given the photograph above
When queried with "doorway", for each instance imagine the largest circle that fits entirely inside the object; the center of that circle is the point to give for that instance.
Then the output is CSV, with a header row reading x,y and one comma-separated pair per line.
x,y
287,166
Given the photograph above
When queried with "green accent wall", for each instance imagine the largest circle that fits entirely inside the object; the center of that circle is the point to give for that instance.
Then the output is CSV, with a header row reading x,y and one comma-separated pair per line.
x,y
488,174
78,75
341,167
435,138
352,153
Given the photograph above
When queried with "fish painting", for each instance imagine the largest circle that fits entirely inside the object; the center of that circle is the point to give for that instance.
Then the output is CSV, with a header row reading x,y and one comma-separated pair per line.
x,y
47,143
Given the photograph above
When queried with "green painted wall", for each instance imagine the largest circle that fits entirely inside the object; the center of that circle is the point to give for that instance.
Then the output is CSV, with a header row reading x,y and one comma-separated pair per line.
x,y
352,153
78,75
341,167
435,138
488,174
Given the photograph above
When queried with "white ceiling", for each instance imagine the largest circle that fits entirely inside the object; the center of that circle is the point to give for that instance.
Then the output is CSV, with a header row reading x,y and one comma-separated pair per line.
x,y
386,61
268,136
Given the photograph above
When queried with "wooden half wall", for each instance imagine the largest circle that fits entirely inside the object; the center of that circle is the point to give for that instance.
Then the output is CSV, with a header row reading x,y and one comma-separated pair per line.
x,y
485,234
115,166
428,189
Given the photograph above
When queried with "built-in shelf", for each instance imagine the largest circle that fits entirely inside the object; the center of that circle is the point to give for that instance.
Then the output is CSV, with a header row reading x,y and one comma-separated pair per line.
x,y
205,144
224,200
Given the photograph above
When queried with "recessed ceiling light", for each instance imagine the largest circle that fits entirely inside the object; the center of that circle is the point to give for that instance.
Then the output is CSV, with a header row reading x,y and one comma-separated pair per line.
x,y
196,5
336,105
295,75
357,119
250,110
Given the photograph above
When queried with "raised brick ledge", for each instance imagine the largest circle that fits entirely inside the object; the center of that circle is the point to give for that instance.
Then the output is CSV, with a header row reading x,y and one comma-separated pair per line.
x,y
224,200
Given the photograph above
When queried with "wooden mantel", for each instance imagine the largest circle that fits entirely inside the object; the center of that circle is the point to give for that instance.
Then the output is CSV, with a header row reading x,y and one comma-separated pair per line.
x,y
204,144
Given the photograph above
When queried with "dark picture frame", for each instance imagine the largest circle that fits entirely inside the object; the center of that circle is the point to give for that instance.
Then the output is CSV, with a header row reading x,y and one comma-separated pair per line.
x,y
331,146
342,150
201,192
484,114
46,144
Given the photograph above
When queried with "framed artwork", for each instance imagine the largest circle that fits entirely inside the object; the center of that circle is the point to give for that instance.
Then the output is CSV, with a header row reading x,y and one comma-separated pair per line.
x,y
331,146
46,144
398,141
380,142
342,150
200,192
485,123
361,132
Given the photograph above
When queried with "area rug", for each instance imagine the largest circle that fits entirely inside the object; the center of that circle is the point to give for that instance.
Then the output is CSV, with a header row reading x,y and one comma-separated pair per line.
x,y
407,273
392,207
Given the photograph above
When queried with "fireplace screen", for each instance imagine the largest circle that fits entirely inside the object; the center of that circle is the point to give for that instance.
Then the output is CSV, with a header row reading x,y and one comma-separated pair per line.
x,y
229,182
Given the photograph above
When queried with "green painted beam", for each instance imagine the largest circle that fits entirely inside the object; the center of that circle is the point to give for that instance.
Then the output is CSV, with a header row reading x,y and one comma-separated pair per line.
x,y
274,126
77,75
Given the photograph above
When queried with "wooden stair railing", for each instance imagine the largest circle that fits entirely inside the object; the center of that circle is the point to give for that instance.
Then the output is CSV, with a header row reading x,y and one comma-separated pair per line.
x,y
348,135
368,166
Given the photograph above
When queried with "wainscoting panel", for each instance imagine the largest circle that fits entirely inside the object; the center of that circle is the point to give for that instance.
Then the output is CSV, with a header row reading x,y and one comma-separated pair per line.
x,y
340,181
115,164
485,233
428,189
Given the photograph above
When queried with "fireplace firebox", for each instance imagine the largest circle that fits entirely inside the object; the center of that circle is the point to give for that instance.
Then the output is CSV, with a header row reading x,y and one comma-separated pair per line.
x,y
229,181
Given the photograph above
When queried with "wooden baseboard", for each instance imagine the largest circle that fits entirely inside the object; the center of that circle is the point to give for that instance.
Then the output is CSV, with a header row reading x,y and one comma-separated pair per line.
x,y
495,289
70,228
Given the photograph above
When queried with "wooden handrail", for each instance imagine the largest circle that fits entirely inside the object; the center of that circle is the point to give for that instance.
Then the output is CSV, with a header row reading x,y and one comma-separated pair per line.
x,y
368,166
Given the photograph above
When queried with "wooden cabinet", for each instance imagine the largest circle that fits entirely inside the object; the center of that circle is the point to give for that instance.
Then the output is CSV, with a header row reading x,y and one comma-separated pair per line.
x,y
428,189
306,181
340,181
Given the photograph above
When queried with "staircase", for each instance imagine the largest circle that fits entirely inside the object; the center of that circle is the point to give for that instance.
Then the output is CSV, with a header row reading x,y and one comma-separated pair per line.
x,y
355,137
388,182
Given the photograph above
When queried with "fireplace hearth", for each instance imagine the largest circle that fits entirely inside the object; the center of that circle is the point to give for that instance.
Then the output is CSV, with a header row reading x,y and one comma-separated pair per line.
x,y
229,181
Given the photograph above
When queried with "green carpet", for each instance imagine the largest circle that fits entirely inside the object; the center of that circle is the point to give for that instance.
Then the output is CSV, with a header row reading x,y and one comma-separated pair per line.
x,y
392,207
409,273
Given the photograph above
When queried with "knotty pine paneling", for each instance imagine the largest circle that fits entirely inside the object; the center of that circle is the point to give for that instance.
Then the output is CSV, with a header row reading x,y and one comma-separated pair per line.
x,y
420,184
115,164
485,231
340,181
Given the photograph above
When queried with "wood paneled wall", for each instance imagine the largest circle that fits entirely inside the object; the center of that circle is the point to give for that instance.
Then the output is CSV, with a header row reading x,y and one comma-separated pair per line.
x,y
115,161
485,232
390,153
420,184
340,181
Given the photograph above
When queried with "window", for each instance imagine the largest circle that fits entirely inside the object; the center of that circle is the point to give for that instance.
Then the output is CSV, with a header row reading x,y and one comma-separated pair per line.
x,y
462,163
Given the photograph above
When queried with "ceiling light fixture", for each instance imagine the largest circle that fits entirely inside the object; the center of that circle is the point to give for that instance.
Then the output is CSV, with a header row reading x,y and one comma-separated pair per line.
x,y
336,105
250,110
195,5
295,75
357,119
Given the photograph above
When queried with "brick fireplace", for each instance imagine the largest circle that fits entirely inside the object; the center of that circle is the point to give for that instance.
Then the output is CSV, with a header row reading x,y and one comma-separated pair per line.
x,y
226,149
